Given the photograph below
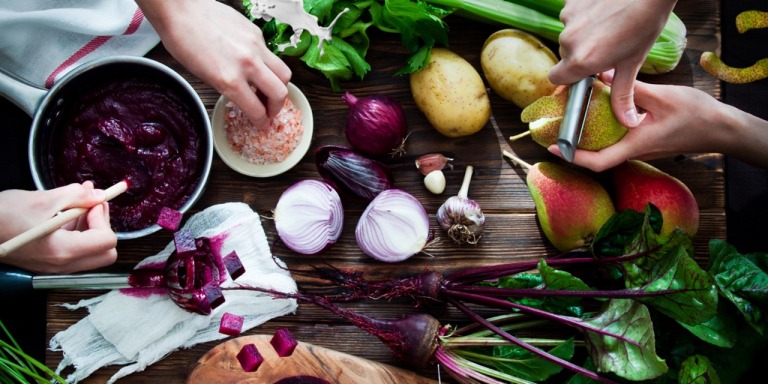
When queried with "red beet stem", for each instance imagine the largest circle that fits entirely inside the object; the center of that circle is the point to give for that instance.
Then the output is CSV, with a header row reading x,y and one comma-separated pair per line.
x,y
412,338
492,327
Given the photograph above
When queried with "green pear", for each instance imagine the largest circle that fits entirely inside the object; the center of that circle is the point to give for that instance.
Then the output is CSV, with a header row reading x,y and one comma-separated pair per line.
x,y
601,129
636,183
571,206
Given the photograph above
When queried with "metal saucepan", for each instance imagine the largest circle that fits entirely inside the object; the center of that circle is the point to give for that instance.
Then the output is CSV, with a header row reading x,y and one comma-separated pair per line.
x,y
46,106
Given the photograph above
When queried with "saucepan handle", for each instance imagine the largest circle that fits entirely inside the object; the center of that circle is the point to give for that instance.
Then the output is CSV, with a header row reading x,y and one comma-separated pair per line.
x,y
20,92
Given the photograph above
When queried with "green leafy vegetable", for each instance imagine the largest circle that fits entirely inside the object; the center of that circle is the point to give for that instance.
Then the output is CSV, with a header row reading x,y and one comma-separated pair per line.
x,y
421,26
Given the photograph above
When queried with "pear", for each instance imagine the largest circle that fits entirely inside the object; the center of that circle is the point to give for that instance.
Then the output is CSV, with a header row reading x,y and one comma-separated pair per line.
x,y
636,183
601,129
571,206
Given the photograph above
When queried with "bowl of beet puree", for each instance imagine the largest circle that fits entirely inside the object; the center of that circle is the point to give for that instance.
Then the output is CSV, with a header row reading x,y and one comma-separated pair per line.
x,y
122,118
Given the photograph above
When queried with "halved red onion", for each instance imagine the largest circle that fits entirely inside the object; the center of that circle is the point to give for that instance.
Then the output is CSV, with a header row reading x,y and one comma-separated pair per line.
x,y
394,227
352,172
309,216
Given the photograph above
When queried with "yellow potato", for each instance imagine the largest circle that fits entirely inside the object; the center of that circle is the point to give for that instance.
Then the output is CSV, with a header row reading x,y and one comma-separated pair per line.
x,y
451,94
516,65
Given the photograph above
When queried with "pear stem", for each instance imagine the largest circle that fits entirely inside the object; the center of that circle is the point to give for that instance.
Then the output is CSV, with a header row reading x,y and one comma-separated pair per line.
x,y
515,137
516,159
464,190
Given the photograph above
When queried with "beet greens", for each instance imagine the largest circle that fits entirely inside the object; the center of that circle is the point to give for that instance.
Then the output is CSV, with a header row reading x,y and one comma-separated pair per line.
x,y
601,298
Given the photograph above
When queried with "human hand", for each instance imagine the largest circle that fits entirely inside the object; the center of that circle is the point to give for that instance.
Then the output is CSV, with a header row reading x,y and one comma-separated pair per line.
x,y
615,34
676,120
224,49
83,244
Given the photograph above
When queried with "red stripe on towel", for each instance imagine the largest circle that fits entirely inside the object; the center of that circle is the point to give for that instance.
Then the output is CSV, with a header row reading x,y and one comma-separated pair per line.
x,y
92,45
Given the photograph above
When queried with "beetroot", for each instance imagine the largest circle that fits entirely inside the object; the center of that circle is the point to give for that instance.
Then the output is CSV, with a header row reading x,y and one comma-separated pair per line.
x,y
214,295
169,218
231,324
184,242
283,342
233,265
250,358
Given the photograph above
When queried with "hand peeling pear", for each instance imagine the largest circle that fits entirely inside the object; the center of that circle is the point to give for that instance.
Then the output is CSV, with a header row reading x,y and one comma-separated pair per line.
x,y
570,205
637,183
601,128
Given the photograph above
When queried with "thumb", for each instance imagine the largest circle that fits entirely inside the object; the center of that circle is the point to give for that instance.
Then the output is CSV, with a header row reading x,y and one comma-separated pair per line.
x,y
622,98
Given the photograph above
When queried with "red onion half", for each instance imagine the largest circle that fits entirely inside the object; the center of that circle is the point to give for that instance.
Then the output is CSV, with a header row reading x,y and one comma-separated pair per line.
x,y
394,227
309,216
352,172
376,125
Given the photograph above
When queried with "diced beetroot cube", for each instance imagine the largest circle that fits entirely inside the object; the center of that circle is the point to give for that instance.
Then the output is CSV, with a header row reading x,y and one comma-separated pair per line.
x,y
214,295
169,218
231,324
234,265
250,358
283,342
184,242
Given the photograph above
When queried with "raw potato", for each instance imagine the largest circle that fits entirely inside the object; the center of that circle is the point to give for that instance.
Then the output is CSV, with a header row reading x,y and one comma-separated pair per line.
x,y
451,94
516,65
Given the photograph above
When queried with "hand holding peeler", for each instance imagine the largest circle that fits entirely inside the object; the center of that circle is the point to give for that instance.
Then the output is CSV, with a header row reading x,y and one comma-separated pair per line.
x,y
579,96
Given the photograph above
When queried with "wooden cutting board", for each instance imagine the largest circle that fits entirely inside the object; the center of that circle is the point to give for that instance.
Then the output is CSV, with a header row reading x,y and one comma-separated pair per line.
x,y
220,365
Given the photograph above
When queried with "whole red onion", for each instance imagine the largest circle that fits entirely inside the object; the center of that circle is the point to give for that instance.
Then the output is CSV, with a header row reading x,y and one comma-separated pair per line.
x,y
376,125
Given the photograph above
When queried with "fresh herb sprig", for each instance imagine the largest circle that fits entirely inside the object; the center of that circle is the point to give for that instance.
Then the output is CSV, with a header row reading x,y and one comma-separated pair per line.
x,y
19,367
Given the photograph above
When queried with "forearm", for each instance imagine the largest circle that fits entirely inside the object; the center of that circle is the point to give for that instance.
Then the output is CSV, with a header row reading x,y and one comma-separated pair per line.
x,y
746,136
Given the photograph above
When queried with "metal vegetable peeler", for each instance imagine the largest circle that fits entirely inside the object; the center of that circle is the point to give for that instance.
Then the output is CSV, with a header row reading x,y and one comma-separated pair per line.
x,y
579,96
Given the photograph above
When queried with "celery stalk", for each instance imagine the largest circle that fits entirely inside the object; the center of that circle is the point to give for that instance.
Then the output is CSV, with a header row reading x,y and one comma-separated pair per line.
x,y
541,18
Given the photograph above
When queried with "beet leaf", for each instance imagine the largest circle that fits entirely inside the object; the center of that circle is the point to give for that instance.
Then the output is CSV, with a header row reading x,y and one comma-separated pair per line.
x,y
621,340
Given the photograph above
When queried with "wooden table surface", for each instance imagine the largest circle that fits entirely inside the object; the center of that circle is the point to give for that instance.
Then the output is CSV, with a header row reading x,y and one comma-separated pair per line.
x,y
512,232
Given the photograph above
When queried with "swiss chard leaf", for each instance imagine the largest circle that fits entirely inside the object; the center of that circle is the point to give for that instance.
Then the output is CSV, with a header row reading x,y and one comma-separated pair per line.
x,y
622,232
689,295
697,370
523,364
621,340
742,279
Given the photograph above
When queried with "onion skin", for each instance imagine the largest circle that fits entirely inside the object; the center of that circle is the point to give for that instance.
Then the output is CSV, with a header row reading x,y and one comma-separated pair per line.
x,y
394,227
351,172
309,217
376,125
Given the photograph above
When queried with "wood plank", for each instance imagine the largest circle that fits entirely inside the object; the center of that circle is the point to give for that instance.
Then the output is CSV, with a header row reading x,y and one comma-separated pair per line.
x,y
512,232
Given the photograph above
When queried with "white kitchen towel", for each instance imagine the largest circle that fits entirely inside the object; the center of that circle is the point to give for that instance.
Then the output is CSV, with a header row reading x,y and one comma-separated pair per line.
x,y
138,330
41,40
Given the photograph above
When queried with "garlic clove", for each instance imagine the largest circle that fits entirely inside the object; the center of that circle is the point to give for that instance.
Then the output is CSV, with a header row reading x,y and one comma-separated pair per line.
x,y
435,182
432,162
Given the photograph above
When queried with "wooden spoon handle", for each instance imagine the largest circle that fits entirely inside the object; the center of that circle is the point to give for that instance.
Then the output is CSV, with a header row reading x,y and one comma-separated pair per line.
x,y
55,222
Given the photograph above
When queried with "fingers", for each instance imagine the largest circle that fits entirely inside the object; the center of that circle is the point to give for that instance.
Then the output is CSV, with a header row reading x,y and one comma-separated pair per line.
x,y
622,97
597,161
75,195
265,96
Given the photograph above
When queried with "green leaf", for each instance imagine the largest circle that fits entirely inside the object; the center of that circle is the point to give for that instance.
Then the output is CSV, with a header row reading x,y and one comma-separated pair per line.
x,y
697,370
518,362
621,229
692,295
743,280
417,23
621,340
720,330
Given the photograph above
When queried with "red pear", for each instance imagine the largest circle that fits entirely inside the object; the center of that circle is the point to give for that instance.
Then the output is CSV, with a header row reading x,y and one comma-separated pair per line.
x,y
637,183
571,206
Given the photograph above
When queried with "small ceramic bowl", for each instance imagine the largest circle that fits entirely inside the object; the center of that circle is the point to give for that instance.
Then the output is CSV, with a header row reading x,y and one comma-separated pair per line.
x,y
238,162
